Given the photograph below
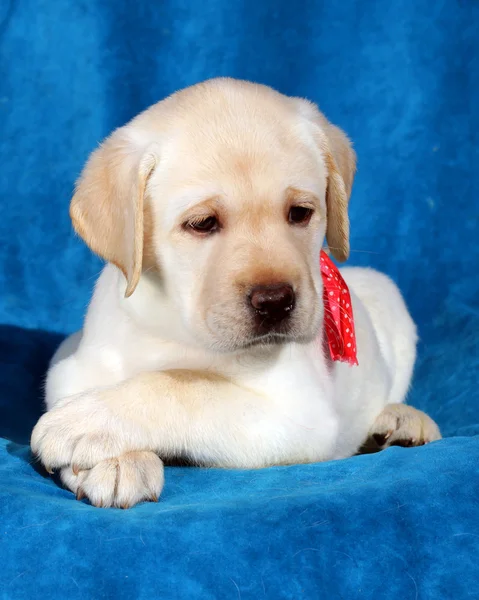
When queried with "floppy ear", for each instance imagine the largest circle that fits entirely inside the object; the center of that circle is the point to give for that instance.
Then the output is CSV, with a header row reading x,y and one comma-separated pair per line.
x,y
341,165
108,205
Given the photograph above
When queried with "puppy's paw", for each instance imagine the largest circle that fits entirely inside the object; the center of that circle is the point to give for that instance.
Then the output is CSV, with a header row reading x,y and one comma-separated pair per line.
x,y
121,482
402,425
81,432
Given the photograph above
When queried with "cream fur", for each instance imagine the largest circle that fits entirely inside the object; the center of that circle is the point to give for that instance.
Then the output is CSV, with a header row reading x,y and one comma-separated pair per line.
x,y
167,362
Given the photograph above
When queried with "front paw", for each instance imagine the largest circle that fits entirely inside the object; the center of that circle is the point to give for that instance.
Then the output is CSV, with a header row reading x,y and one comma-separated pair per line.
x,y
121,482
402,425
79,432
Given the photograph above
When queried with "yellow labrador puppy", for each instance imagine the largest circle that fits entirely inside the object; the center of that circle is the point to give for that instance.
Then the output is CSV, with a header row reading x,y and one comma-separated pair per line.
x,y
203,338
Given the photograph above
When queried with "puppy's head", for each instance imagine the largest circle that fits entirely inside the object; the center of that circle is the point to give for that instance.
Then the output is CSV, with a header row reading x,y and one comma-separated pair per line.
x,y
227,190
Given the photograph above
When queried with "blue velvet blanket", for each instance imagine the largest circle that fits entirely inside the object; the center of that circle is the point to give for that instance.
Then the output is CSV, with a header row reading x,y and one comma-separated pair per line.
x,y
402,78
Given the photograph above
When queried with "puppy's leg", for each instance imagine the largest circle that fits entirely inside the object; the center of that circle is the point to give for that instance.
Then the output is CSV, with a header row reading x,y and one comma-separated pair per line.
x,y
401,425
166,413
122,481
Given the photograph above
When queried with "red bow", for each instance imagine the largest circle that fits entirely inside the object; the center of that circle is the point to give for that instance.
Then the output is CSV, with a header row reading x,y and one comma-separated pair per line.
x,y
338,313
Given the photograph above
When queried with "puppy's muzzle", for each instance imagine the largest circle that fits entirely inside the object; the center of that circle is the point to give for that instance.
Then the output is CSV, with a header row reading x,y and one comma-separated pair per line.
x,y
272,306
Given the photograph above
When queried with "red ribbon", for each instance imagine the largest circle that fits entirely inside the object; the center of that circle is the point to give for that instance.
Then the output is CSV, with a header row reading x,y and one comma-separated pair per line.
x,y
338,313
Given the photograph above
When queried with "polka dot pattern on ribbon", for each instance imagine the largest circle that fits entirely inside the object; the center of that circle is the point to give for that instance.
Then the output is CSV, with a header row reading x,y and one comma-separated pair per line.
x,y
338,313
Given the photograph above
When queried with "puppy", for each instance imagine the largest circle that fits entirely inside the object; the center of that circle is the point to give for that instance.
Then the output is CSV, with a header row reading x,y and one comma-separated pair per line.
x,y
204,336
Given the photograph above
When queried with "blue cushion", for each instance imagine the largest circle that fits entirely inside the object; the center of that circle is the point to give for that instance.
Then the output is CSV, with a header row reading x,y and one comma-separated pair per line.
x,y
403,80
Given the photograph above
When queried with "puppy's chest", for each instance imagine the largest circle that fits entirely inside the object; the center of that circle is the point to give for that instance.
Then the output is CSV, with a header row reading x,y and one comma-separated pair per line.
x,y
303,428
291,419
295,411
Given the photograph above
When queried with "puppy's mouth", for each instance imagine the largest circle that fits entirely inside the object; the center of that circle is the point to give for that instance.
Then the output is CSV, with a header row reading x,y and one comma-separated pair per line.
x,y
268,339
274,339
262,329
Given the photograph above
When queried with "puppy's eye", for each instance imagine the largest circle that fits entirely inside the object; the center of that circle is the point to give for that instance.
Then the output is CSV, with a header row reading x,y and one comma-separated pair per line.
x,y
300,215
206,225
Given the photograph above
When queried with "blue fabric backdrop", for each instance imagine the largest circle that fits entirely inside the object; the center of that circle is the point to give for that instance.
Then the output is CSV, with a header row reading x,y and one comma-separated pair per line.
x,y
402,78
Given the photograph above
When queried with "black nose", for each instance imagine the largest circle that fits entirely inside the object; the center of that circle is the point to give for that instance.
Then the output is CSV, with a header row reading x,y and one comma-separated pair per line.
x,y
272,303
